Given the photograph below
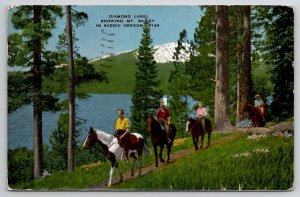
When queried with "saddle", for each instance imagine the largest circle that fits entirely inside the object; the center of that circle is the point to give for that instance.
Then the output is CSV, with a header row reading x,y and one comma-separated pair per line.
x,y
128,139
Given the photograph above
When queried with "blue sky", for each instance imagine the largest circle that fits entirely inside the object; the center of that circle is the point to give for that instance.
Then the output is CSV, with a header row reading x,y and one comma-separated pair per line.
x,y
171,20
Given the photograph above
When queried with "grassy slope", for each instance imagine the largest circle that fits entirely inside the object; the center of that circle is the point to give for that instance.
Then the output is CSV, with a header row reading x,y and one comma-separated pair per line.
x,y
216,168
87,178
210,169
121,75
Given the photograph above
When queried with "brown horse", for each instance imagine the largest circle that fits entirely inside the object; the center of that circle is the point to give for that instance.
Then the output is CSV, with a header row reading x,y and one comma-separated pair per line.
x,y
258,119
196,129
113,150
134,141
159,138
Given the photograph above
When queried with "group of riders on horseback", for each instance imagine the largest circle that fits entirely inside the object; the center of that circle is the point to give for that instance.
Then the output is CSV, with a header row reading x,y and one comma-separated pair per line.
x,y
162,133
122,126
162,116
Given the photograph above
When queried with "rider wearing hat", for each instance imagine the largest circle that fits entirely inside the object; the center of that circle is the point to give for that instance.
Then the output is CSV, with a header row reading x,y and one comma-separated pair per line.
x,y
259,103
163,116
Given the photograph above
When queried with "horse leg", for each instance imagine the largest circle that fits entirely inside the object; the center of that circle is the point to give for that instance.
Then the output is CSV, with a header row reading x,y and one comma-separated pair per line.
x,y
132,155
160,153
168,152
110,175
196,142
140,164
208,143
155,153
120,173
202,138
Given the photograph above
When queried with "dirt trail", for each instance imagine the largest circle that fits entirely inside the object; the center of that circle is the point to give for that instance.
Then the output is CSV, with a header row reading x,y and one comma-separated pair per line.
x,y
147,169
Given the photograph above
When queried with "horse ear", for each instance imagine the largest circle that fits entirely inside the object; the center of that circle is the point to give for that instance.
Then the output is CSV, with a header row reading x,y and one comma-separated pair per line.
x,y
91,129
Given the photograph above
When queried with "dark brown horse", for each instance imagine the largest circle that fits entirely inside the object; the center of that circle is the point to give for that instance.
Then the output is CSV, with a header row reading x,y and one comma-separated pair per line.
x,y
159,138
195,127
258,119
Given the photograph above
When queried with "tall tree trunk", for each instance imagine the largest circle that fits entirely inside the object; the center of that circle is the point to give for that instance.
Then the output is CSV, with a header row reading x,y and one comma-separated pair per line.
x,y
222,110
71,139
239,63
244,72
37,105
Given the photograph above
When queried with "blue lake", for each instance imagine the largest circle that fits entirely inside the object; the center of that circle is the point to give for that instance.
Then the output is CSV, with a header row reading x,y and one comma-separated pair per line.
x,y
99,111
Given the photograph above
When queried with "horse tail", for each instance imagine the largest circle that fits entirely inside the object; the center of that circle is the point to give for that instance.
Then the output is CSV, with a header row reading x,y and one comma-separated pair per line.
x,y
146,150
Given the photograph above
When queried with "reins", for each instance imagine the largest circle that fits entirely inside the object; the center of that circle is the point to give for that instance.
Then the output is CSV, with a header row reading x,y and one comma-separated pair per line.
x,y
194,125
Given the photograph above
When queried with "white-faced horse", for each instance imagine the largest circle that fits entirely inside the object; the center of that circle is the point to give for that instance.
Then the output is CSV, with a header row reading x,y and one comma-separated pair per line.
x,y
113,151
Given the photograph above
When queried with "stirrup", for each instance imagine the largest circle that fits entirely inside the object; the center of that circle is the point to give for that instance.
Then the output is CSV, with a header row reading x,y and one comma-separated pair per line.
x,y
169,140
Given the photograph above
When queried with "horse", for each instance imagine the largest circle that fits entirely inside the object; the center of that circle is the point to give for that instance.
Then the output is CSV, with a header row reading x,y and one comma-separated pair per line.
x,y
113,151
159,138
258,119
135,142
195,127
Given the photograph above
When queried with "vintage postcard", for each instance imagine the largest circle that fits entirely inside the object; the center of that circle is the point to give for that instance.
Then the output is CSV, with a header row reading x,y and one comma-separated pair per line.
x,y
150,98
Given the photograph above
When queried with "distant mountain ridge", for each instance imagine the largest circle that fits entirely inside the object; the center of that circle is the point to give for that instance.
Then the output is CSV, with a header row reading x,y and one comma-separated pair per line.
x,y
163,53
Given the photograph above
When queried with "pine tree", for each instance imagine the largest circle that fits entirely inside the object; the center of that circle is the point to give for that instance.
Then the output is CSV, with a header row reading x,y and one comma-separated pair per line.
x,y
281,37
64,138
71,138
244,63
27,48
222,110
179,83
275,47
201,66
145,94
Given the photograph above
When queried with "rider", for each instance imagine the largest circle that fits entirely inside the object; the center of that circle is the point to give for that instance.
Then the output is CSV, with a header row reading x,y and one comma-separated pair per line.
x,y
200,115
163,116
122,125
259,103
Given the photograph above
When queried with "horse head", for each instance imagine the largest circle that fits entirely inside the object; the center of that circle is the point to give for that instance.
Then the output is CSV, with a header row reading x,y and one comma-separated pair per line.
x,y
149,122
188,124
91,139
246,108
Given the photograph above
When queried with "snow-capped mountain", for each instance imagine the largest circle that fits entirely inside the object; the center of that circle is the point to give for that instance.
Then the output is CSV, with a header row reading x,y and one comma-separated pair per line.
x,y
163,53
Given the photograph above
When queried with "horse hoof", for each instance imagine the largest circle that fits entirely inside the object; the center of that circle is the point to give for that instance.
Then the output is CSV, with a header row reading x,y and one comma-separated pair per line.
x,y
132,174
108,185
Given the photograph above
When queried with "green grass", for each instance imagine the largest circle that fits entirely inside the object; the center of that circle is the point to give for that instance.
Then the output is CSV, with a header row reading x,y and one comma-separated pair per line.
x,y
120,71
82,178
214,168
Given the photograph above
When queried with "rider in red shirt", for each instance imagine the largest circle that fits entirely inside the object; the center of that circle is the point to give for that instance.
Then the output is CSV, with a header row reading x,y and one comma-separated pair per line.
x,y
163,116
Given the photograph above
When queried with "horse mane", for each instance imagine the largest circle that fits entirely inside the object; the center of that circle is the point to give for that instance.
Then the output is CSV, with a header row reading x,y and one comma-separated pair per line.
x,y
154,124
104,138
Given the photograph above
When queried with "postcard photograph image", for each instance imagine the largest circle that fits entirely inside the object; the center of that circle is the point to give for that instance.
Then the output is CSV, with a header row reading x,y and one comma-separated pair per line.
x,y
150,98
